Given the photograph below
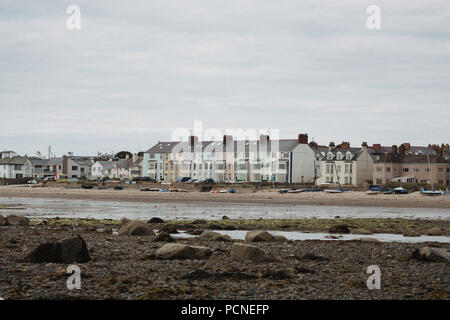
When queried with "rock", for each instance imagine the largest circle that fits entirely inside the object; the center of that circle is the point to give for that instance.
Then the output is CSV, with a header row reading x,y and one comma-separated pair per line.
x,y
14,220
361,231
242,252
214,236
3,221
280,238
170,229
181,251
332,237
340,228
214,227
432,254
67,251
313,257
155,220
229,228
199,221
136,228
225,218
366,239
259,235
410,233
163,237
435,231
195,232
124,221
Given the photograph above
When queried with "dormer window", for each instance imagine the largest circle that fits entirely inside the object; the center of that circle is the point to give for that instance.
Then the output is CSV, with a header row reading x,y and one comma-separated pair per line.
x,y
330,156
339,156
348,156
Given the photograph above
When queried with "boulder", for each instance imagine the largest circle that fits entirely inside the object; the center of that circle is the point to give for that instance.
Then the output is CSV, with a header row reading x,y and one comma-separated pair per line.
x,y
243,252
259,235
225,218
199,221
214,236
195,232
163,237
361,231
124,221
435,231
279,238
432,254
410,233
181,251
136,228
14,220
67,251
340,228
3,221
170,229
155,220
229,228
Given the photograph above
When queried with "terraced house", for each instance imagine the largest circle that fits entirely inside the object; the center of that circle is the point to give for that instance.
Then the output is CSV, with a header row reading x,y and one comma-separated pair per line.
x,y
284,160
410,164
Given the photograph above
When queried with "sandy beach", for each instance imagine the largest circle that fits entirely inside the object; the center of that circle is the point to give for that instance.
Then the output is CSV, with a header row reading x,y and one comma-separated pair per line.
x,y
354,198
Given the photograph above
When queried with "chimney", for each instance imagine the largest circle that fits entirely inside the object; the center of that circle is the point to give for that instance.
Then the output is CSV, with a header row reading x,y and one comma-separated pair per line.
x,y
345,145
227,139
402,150
364,145
407,146
193,140
331,146
376,146
302,138
263,138
394,149
313,145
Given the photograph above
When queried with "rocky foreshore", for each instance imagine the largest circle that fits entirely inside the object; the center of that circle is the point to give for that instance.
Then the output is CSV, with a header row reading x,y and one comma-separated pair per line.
x,y
157,266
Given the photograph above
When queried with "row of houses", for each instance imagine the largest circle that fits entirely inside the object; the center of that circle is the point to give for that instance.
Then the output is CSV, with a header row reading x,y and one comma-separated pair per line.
x,y
296,161
263,159
13,166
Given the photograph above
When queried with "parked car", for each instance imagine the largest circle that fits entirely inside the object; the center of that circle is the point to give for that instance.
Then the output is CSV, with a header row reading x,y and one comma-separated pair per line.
x,y
209,180
49,179
183,179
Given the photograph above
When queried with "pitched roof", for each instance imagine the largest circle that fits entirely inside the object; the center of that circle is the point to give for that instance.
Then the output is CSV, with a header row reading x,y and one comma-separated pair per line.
x,y
14,160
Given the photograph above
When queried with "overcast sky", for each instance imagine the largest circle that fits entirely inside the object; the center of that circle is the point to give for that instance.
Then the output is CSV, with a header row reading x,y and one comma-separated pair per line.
x,y
137,70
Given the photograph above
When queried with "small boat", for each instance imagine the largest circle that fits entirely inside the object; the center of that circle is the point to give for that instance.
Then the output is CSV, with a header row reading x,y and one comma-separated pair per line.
x,y
283,191
334,190
447,192
314,190
431,192
87,186
295,190
372,192
232,191
400,190
223,191
164,190
118,188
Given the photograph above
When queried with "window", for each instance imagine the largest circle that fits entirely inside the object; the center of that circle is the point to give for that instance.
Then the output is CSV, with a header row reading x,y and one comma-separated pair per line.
x,y
427,169
441,169
338,168
405,169
348,156
329,156
17,167
328,169
379,182
388,169
379,169
74,168
282,166
339,156
416,169
82,169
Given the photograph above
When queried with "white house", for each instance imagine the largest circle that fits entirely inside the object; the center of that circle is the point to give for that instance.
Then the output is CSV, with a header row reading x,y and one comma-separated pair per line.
x,y
15,168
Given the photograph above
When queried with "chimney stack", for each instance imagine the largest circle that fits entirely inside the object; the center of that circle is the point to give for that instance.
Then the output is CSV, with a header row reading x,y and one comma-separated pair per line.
x,y
345,145
227,139
394,149
377,146
193,140
313,145
402,150
264,138
302,138
407,146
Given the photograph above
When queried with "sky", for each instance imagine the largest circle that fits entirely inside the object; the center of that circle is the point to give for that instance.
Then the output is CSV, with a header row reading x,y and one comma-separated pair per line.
x,y
137,71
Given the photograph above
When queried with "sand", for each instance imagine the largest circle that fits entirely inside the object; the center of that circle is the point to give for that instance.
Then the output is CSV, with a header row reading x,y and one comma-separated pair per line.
x,y
353,198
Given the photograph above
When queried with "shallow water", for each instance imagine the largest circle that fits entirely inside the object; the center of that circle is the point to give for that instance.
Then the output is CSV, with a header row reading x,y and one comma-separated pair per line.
x,y
47,208
296,235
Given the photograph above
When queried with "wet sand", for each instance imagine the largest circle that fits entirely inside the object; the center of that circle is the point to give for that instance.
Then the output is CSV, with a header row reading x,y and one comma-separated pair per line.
x,y
354,198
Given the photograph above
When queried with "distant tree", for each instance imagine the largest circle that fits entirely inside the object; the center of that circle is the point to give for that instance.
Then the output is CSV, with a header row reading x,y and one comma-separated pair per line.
x,y
123,155
140,154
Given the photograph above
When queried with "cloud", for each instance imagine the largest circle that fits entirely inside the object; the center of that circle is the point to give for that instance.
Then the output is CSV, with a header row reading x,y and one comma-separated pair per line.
x,y
137,70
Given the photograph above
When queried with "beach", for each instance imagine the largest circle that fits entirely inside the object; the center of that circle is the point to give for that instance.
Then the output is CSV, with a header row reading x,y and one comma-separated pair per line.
x,y
132,194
